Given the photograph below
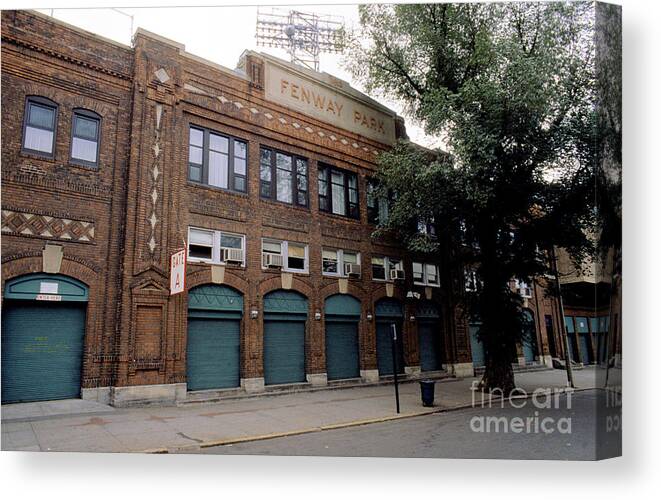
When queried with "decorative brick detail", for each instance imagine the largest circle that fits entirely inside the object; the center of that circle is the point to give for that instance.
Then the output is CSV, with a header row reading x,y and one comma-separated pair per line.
x,y
46,226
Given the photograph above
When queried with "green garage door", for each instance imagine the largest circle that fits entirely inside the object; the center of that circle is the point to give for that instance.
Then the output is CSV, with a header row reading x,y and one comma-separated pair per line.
x,y
214,332
429,336
477,347
342,314
285,314
529,340
389,312
583,336
43,330
571,338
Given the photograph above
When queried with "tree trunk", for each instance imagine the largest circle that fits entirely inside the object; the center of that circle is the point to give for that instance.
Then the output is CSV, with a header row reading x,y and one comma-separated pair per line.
x,y
498,376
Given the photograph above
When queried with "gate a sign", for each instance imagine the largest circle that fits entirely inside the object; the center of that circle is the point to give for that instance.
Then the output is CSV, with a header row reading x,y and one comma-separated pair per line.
x,y
177,272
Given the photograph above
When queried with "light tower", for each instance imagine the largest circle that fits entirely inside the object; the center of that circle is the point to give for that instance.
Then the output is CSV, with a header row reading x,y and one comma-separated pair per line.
x,y
303,35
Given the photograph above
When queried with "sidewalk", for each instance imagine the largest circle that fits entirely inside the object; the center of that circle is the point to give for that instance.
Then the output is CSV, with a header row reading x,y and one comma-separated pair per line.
x,y
76,425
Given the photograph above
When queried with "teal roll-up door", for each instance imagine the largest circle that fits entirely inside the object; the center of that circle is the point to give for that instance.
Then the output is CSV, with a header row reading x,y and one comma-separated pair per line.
x,y
342,360
389,312
42,350
43,332
477,347
528,337
213,353
342,316
429,336
429,346
583,337
571,338
384,349
214,337
285,315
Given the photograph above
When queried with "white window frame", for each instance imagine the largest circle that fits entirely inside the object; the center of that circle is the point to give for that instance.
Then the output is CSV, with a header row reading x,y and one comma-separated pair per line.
x,y
388,266
284,252
472,283
339,253
520,286
425,278
215,248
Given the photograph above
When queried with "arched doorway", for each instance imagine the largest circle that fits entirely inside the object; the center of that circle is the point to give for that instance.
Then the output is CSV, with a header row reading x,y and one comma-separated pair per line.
x,y
285,315
43,332
214,334
389,314
528,337
429,336
342,316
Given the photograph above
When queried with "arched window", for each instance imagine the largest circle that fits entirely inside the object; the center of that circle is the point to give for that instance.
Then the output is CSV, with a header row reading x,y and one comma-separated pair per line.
x,y
39,126
85,137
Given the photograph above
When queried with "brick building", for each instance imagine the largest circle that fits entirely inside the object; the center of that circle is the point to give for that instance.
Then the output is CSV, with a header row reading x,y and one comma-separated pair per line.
x,y
114,157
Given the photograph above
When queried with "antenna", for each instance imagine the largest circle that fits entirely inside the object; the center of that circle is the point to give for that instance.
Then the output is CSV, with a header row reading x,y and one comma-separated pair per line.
x,y
303,35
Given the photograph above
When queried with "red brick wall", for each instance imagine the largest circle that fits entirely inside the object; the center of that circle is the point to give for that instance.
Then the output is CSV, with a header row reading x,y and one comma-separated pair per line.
x,y
143,171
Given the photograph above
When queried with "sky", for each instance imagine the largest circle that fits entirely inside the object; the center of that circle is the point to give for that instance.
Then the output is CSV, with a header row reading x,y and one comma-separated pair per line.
x,y
217,33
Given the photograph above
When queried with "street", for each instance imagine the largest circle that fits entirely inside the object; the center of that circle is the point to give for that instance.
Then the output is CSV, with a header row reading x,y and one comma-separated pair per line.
x,y
449,434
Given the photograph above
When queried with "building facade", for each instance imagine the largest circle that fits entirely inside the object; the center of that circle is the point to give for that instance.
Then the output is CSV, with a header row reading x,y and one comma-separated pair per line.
x,y
116,157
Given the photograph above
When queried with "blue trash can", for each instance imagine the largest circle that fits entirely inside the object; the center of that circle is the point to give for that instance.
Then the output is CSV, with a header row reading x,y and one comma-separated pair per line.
x,y
427,392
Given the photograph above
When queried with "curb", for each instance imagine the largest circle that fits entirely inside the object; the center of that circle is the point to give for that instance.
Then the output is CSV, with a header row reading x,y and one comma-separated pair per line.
x,y
298,432
329,427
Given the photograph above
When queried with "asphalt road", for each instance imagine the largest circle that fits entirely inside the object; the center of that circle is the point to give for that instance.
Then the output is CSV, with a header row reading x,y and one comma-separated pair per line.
x,y
507,433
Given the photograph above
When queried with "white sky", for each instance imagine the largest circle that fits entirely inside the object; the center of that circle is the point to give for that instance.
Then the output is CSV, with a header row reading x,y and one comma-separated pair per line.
x,y
217,33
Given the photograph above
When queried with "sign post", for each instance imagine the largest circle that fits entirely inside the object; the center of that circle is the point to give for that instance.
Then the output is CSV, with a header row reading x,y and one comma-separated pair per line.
x,y
178,272
394,362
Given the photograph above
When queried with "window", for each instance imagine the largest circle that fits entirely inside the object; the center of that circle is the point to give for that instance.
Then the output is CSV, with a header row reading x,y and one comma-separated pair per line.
x,y
217,160
283,177
85,137
377,206
294,255
205,245
425,274
472,281
427,227
335,262
381,267
39,126
523,288
338,192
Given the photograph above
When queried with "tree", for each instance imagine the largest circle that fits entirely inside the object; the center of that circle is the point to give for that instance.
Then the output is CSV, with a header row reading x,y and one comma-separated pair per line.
x,y
510,89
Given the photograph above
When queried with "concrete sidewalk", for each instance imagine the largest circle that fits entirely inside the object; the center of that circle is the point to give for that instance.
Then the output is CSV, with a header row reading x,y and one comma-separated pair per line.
x,y
76,425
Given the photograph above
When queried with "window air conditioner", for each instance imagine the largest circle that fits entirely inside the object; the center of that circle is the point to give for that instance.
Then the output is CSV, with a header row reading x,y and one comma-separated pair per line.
x,y
232,255
352,269
272,260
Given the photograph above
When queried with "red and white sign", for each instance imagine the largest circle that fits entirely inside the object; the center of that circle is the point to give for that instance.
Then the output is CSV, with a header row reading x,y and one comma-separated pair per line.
x,y
178,272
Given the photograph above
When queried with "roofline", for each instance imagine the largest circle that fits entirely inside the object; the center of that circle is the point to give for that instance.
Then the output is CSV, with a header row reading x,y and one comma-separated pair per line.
x,y
78,29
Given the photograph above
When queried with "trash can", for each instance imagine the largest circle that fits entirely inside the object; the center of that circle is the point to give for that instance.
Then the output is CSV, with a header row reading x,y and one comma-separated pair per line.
x,y
427,392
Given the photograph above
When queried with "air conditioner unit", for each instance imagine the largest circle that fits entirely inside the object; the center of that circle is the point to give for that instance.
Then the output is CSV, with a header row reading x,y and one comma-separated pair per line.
x,y
396,274
232,255
272,260
352,269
